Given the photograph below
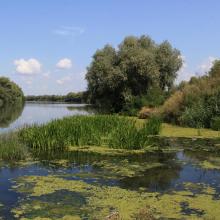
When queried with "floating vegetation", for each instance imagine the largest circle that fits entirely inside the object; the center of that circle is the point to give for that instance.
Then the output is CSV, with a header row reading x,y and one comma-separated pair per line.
x,y
104,151
212,163
125,168
100,201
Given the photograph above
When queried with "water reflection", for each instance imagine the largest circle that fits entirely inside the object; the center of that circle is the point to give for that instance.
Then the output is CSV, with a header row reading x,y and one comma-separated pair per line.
x,y
9,113
12,117
176,169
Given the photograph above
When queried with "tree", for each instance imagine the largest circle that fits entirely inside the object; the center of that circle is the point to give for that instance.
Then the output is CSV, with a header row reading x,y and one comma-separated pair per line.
x,y
117,77
215,70
9,92
105,79
169,62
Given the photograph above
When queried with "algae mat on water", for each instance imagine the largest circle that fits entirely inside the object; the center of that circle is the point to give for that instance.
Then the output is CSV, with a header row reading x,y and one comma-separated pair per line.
x,y
76,199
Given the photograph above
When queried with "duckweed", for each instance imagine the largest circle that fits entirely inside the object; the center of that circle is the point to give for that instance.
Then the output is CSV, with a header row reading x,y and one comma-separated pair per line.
x,y
102,200
211,163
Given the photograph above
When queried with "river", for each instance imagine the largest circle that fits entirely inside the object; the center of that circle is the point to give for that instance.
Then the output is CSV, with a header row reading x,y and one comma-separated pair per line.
x,y
14,117
177,184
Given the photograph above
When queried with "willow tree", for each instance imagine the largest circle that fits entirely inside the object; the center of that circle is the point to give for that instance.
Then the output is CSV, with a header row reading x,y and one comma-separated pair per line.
x,y
115,76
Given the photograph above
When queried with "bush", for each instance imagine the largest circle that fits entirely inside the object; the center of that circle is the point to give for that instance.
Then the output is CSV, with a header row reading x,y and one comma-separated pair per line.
x,y
195,103
196,116
146,112
215,123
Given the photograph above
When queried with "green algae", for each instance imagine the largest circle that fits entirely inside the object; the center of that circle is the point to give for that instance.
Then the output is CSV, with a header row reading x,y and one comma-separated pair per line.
x,y
66,217
53,206
211,163
113,152
102,200
104,151
125,168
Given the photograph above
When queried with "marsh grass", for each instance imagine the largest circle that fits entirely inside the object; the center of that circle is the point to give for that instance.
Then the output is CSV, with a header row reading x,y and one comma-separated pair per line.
x,y
98,130
11,149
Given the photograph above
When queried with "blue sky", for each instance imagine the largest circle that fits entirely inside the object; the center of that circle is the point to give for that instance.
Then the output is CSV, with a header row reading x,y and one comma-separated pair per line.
x,y
46,45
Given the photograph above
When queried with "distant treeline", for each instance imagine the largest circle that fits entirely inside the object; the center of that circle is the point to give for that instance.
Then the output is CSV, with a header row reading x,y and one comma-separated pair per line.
x,y
79,97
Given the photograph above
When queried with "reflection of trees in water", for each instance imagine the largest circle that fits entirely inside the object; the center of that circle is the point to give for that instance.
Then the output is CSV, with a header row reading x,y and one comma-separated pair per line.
x,y
87,158
9,113
155,178
200,155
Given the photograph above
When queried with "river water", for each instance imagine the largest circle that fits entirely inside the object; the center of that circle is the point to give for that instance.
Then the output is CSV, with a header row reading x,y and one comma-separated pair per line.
x,y
179,184
13,117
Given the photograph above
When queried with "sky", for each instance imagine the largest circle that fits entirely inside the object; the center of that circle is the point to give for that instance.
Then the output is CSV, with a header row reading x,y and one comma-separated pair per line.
x,y
46,45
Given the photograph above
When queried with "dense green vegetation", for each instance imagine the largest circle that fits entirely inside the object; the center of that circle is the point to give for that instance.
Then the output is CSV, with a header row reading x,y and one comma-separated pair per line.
x,y
196,103
100,130
140,72
9,92
11,148
79,97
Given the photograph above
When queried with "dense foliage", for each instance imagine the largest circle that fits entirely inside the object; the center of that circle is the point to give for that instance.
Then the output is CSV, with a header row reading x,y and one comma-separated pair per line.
x,y
9,92
126,78
196,103
79,97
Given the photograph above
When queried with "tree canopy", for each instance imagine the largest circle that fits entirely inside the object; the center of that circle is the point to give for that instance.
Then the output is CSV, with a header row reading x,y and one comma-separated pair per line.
x,y
9,92
117,75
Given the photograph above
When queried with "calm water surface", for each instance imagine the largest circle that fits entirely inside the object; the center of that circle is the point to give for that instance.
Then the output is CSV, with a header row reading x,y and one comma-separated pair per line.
x,y
31,113
177,169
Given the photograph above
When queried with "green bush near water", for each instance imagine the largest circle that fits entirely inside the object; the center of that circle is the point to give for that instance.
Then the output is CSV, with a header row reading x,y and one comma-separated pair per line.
x,y
215,123
99,130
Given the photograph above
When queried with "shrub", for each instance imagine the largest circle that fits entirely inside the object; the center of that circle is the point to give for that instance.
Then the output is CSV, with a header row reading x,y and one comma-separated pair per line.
x,y
215,123
146,112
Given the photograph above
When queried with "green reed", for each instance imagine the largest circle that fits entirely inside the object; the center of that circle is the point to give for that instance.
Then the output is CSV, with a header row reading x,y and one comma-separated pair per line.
x,y
98,130
11,149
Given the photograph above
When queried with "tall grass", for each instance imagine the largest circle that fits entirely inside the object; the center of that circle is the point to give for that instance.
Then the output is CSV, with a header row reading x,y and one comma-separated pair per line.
x,y
98,130
11,149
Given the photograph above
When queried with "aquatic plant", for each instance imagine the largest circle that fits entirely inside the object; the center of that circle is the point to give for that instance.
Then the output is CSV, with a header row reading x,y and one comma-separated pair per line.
x,y
11,148
99,130
195,201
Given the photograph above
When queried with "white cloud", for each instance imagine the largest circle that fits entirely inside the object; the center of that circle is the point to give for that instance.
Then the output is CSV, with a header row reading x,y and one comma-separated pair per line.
x,y
184,74
69,31
63,80
205,66
27,67
64,63
46,75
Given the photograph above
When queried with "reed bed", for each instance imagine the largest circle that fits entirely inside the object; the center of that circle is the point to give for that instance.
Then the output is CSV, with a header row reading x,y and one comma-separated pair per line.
x,y
99,130
11,149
